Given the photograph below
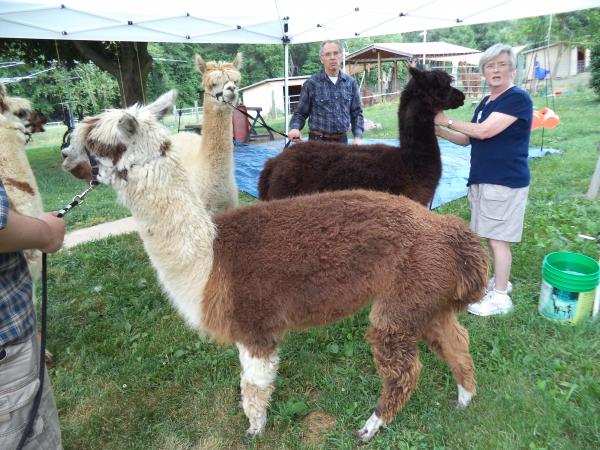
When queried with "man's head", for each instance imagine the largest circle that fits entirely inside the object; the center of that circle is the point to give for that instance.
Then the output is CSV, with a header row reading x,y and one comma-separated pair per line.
x,y
331,57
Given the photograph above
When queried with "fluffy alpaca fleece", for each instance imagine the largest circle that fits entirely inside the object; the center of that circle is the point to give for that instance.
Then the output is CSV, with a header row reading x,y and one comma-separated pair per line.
x,y
413,170
207,159
249,275
17,121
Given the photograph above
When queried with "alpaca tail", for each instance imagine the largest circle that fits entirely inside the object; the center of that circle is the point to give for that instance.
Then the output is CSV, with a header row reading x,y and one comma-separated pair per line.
x,y
471,263
264,181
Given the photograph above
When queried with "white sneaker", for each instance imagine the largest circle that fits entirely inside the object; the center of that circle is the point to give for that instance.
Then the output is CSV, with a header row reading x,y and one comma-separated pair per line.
x,y
492,284
491,304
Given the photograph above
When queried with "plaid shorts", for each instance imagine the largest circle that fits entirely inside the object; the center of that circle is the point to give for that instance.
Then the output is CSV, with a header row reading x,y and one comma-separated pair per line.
x,y
18,385
498,212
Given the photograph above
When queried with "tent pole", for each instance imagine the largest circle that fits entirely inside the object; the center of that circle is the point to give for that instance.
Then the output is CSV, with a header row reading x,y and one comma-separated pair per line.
x,y
286,93
286,63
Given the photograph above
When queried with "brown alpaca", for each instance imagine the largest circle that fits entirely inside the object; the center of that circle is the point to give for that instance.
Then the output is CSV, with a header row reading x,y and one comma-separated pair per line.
x,y
471,81
247,276
413,170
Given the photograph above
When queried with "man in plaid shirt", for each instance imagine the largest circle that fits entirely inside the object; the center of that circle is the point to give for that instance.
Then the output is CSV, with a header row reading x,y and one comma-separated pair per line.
x,y
19,349
330,100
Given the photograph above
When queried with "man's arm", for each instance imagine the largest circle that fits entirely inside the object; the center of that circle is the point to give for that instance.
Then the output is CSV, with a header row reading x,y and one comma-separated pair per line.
x,y
302,112
24,232
357,120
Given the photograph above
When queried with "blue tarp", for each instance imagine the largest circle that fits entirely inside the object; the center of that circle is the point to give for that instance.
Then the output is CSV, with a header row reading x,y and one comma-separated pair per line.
x,y
250,159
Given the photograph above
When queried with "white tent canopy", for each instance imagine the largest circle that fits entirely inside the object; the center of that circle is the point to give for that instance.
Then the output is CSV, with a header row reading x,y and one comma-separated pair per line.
x,y
258,22
255,22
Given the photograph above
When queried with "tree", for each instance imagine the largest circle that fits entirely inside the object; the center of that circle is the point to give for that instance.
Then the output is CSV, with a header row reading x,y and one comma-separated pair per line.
x,y
129,62
595,78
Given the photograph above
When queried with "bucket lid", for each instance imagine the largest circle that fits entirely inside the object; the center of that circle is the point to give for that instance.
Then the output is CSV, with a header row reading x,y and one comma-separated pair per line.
x,y
571,271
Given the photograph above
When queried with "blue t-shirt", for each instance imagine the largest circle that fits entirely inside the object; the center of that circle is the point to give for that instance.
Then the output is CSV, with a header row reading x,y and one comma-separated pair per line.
x,y
502,159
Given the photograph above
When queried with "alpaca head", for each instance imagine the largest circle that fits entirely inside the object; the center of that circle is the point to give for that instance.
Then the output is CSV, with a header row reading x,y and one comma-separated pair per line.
x,y
118,140
433,89
18,110
220,80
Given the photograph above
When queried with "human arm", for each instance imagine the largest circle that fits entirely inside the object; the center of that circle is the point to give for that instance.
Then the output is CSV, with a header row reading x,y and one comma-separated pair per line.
x,y
357,120
496,123
19,232
302,112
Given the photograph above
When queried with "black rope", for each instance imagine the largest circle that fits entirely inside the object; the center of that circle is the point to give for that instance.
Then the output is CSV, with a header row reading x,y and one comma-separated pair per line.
x,y
77,200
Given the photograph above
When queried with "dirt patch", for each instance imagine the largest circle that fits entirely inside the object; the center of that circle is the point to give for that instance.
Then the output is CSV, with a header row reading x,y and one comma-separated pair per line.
x,y
315,426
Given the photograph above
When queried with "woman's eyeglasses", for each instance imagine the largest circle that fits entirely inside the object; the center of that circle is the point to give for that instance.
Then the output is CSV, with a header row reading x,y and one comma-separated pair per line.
x,y
494,66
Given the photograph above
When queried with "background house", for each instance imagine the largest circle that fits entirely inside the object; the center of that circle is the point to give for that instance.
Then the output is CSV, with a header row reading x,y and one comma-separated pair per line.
x,y
269,95
568,63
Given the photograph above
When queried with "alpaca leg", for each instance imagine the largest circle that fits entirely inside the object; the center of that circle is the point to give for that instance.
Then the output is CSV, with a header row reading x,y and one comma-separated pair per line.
x,y
257,383
397,361
448,338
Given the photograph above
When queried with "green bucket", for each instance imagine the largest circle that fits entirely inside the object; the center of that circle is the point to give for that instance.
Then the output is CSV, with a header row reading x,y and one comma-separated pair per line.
x,y
569,282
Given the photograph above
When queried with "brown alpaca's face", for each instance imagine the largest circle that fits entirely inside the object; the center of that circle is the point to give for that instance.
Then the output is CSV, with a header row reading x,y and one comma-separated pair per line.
x,y
436,87
117,140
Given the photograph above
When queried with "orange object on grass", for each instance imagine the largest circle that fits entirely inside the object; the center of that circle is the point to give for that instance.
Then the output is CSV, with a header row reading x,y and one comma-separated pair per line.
x,y
546,118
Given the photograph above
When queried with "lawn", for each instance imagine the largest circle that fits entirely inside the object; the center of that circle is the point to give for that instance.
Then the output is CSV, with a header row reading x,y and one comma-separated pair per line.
x,y
130,375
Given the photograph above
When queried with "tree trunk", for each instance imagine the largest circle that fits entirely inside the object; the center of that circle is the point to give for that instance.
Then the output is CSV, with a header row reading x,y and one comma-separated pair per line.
x,y
130,64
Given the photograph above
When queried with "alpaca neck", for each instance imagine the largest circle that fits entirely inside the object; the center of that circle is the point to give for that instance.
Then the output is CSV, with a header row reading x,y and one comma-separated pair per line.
x,y
217,133
14,164
417,129
176,229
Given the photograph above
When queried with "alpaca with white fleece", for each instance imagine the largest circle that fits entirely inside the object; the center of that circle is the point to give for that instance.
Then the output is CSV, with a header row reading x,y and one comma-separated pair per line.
x,y
249,275
206,159
17,122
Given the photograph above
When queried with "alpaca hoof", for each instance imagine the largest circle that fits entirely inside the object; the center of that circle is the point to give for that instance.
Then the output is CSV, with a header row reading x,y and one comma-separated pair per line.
x,y
464,398
251,433
370,429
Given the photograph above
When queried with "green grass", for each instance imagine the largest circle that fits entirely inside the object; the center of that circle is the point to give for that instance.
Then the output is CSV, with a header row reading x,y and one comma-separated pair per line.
x,y
130,375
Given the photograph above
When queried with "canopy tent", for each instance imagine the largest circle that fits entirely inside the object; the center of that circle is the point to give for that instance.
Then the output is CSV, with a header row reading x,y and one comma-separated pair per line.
x,y
242,21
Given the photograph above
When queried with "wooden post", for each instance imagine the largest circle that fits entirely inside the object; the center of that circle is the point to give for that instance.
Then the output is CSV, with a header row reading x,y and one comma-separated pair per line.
x,y
379,74
592,192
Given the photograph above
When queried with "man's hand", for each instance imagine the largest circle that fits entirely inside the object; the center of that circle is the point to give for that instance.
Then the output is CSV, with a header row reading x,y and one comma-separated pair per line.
x,y
45,233
294,134
56,232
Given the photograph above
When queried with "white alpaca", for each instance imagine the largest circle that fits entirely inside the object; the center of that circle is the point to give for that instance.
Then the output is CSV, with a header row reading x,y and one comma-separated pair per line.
x,y
16,123
249,275
207,159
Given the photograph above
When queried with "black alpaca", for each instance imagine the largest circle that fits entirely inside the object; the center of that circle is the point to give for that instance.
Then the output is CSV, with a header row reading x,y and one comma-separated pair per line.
x,y
413,170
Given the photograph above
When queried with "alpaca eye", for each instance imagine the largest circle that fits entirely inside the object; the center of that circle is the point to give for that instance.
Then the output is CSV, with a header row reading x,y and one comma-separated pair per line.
x,y
21,114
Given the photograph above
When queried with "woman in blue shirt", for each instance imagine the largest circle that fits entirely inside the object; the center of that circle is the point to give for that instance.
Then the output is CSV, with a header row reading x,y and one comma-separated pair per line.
x,y
499,176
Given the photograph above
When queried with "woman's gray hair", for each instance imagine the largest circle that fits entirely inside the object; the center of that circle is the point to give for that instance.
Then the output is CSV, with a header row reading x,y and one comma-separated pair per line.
x,y
324,43
494,51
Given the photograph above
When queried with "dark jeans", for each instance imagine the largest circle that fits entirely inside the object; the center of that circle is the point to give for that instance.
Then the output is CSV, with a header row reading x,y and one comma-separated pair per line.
x,y
313,137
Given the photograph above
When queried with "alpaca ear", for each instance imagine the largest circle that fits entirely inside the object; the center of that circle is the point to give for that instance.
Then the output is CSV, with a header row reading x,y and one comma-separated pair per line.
x,y
200,64
128,125
415,73
237,62
163,105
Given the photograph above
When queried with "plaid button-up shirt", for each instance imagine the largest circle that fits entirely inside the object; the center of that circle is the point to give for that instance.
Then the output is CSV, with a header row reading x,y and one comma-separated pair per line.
x,y
17,316
333,108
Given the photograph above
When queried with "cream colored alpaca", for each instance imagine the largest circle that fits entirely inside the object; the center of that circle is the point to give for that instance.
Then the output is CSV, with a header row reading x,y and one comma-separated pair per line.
x,y
15,170
249,275
207,159
214,171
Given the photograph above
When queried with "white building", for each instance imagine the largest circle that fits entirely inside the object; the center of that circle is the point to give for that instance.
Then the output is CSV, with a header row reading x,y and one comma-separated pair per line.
x,y
269,94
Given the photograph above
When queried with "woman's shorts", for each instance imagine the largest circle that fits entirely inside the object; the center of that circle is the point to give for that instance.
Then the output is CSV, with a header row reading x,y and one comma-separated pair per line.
x,y
498,212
